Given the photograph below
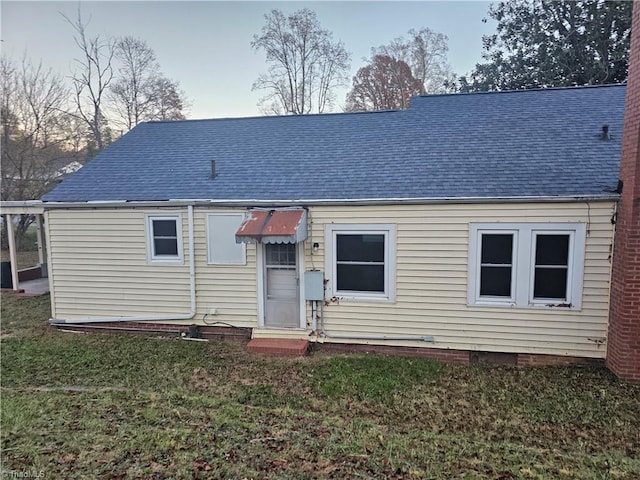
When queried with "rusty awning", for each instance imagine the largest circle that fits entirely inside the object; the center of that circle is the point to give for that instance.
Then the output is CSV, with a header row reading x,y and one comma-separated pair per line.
x,y
286,225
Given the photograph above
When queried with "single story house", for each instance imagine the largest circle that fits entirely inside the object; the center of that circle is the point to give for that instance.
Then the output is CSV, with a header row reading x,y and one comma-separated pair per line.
x,y
476,222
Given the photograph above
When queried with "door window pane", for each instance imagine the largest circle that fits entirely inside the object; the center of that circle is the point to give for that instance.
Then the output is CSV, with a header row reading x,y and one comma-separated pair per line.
x,y
281,254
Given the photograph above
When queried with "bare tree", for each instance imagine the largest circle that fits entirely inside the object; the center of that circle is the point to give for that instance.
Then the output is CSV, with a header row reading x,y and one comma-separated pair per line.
x,y
8,91
425,51
37,132
140,92
305,64
166,100
129,91
91,78
384,84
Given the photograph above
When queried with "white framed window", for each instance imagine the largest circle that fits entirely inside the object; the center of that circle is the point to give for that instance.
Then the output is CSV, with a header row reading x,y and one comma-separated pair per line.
x,y
361,261
222,248
164,238
496,264
526,264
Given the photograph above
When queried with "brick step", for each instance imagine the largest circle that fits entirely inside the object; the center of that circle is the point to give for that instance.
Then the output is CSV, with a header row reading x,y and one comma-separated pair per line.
x,y
289,334
279,346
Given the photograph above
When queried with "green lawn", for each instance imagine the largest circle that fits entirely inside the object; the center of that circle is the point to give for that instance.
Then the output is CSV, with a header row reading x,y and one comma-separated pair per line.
x,y
102,406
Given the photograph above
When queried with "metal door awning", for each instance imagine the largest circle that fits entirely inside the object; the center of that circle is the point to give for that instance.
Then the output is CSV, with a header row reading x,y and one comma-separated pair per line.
x,y
273,226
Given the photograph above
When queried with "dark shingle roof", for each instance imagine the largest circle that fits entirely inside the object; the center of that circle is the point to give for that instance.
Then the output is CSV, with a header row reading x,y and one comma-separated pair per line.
x,y
509,144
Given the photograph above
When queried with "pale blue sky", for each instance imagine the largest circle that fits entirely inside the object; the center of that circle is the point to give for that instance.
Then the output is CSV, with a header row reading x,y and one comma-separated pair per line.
x,y
205,44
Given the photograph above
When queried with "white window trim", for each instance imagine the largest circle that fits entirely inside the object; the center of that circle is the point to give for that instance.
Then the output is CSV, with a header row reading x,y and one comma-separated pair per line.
x,y
570,280
389,231
524,264
242,245
151,256
487,300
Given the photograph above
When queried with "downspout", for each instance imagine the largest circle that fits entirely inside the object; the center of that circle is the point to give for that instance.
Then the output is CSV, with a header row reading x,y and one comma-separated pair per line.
x,y
192,289
428,339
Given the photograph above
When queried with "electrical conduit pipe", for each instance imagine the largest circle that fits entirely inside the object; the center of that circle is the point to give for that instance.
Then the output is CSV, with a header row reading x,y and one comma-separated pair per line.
x,y
422,338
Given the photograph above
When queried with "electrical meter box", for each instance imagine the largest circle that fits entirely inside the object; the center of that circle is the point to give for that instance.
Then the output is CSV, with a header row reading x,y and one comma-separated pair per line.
x,y
313,285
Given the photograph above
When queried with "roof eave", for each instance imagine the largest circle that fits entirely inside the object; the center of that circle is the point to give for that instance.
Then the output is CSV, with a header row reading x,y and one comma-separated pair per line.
x,y
609,197
21,207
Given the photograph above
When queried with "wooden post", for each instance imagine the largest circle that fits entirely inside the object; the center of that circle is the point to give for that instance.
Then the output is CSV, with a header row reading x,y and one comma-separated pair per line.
x,y
39,238
11,235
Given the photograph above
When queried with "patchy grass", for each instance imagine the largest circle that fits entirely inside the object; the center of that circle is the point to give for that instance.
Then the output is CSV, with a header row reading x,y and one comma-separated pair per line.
x,y
24,317
90,405
376,378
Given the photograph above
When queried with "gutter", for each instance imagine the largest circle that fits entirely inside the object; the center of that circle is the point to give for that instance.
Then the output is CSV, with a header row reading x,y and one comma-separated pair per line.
x,y
329,202
192,291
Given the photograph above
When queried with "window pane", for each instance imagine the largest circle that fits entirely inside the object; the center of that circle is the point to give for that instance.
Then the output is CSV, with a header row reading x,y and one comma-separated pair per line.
x,y
552,249
165,246
164,228
360,248
550,283
495,281
497,248
361,278
281,253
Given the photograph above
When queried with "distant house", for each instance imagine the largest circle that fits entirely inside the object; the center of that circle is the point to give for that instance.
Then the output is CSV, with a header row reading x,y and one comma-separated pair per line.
x,y
479,223
68,169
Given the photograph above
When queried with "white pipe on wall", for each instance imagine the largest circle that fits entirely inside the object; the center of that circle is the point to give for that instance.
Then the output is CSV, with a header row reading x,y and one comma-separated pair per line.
x,y
420,338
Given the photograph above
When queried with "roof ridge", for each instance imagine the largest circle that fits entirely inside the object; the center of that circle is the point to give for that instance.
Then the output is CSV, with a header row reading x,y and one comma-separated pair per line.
x,y
522,90
256,117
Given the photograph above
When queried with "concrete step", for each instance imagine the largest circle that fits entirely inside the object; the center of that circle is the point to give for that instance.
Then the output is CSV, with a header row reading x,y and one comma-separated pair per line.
x,y
287,347
286,333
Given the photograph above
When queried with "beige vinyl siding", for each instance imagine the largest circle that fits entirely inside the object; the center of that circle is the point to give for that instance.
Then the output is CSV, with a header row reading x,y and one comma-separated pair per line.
x,y
99,268
231,289
431,281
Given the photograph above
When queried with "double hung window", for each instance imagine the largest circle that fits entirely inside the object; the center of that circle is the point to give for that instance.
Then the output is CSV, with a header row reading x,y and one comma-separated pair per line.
x,y
361,261
526,265
164,242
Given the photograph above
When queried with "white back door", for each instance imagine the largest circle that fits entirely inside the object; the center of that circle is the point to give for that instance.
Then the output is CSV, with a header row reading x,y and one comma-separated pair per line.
x,y
282,300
